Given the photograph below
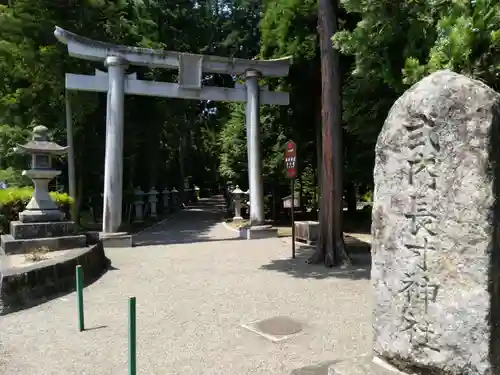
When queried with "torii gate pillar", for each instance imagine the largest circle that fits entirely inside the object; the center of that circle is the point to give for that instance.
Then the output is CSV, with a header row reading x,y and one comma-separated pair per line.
x,y
254,148
113,162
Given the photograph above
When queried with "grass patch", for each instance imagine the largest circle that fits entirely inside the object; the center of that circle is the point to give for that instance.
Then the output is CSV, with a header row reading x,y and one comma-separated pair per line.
x,y
37,254
238,224
284,231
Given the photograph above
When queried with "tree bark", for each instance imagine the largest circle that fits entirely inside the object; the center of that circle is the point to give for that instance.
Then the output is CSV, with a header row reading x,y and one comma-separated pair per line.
x,y
319,153
331,248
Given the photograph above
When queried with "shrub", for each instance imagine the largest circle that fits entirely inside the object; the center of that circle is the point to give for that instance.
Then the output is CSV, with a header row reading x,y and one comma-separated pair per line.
x,y
14,200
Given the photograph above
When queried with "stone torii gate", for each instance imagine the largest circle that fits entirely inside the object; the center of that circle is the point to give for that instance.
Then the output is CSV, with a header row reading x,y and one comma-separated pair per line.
x,y
191,68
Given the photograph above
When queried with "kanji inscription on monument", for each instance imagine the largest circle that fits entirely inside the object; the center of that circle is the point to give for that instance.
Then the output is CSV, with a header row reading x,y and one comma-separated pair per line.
x,y
434,220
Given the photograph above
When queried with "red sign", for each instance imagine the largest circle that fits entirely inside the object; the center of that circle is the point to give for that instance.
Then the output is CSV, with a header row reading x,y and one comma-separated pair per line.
x,y
291,159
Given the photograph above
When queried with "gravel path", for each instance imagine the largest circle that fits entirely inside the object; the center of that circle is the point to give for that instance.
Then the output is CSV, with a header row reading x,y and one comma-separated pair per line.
x,y
195,285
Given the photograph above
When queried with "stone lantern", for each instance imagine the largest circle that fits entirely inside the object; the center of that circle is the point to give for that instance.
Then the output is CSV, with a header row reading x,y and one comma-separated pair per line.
x,y
41,224
238,197
41,207
153,199
138,203
166,198
197,192
174,194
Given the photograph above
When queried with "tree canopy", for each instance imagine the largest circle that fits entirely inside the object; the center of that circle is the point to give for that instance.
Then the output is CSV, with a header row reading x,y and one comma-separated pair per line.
x,y
385,46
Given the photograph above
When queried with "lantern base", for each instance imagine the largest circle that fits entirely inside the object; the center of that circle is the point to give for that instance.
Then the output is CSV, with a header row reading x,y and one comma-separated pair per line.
x,y
120,239
21,231
39,216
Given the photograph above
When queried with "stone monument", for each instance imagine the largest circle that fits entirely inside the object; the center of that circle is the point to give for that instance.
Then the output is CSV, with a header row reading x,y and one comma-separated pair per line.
x,y
41,224
435,229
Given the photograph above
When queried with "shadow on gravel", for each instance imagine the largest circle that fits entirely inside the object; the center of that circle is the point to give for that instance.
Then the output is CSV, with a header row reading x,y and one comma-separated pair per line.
x,y
298,267
95,328
320,369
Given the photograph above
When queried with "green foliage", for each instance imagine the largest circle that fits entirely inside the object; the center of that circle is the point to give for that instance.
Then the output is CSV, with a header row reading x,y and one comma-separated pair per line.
x,y
165,138
14,177
466,41
14,200
367,197
395,44
233,158
386,46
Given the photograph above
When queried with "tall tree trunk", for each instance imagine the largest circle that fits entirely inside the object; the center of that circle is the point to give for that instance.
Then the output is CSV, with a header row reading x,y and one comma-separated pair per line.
x,y
331,247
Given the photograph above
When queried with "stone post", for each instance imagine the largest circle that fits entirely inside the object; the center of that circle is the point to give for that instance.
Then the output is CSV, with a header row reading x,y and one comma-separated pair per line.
x,y
175,198
253,143
139,204
166,198
113,165
153,199
238,197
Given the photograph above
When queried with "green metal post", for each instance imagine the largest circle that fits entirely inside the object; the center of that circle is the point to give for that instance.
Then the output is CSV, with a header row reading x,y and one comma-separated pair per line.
x,y
132,366
79,297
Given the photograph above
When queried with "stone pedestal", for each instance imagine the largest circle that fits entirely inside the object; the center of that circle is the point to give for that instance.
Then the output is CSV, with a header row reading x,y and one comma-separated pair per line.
x,y
258,231
26,237
119,239
41,207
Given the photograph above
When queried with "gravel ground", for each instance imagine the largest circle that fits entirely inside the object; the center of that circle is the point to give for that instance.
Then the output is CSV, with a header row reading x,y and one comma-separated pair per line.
x,y
195,285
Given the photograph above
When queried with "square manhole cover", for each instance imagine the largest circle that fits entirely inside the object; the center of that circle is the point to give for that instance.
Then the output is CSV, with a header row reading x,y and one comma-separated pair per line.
x,y
276,329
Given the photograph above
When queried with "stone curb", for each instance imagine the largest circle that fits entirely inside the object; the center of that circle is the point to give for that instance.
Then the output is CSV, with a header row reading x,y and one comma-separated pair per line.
x,y
37,283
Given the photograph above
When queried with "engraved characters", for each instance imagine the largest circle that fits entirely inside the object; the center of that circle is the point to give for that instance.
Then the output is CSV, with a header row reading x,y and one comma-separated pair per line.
x,y
417,287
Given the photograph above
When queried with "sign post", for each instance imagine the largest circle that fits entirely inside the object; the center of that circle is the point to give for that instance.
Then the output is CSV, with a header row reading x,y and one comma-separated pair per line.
x,y
291,173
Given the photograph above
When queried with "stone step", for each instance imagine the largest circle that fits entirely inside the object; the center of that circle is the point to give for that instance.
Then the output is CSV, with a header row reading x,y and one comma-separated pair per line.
x,y
12,246
25,282
121,239
20,231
